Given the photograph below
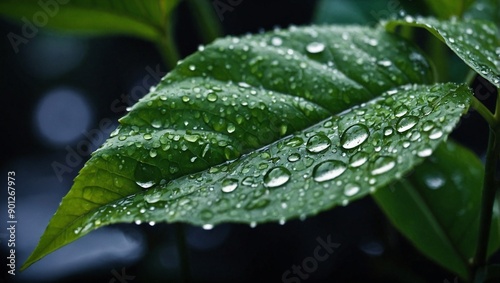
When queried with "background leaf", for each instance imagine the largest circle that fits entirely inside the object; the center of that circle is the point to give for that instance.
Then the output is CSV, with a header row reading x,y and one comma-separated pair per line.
x,y
448,8
485,10
437,207
230,98
475,42
142,18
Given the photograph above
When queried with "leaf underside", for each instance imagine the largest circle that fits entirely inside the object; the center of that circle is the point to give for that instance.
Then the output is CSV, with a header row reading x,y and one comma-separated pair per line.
x,y
264,128
437,207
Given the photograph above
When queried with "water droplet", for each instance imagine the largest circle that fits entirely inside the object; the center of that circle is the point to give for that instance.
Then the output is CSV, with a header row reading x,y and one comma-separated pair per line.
x,y
207,227
315,47
152,197
229,185
212,97
388,131
191,138
382,165
276,41
354,136
351,189
435,134
425,152
147,136
435,182
276,177
295,141
146,175
231,128
318,143
153,153
401,111
385,63
427,126
406,123
328,170
293,157
206,214
358,159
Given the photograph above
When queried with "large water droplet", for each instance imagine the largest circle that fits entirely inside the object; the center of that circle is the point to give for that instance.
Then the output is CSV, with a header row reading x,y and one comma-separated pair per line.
x,y
229,185
276,177
315,47
318,143
382,165
406,123
328,170
354,136
146,175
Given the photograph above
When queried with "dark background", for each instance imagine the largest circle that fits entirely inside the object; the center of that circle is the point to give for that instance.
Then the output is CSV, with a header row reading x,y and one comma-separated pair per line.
x,y
77,80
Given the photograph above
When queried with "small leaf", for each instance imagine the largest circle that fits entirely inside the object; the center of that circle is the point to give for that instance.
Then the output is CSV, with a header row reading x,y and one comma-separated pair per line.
x,y
143,18
437,207
475,42
241,94
448,8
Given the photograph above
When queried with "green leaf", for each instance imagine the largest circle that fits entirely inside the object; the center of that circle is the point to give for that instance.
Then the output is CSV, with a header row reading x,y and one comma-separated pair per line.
x,y
241,94
448,8
485,10
437,207
143,18
476,42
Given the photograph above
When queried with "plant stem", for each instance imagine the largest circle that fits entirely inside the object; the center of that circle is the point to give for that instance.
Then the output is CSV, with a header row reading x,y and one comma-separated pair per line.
x,y
438,52
183,252
488,194
471,75
167,47
484,112
208,25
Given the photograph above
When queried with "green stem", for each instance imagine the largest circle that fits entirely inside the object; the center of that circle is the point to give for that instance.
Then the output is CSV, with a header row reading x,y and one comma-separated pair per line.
x,y
183,252
471,75
168,48
484,112
208,25
438,52
488,194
